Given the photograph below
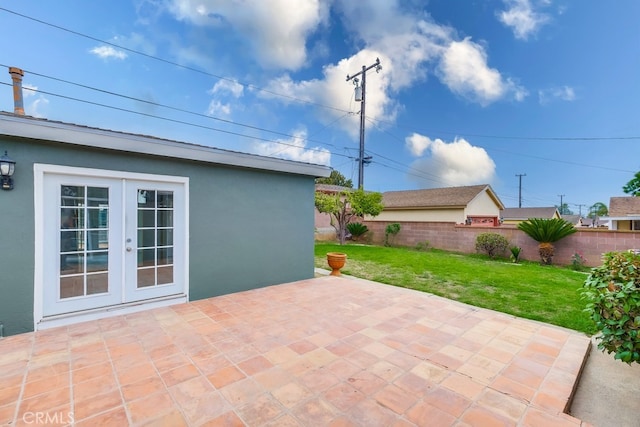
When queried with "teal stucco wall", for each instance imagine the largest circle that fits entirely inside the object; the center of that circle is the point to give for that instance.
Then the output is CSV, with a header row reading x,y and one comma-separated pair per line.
x,y
248,228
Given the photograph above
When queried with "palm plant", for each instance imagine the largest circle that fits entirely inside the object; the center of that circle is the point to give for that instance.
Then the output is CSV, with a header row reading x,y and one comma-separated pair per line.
x,y
546,232
357,229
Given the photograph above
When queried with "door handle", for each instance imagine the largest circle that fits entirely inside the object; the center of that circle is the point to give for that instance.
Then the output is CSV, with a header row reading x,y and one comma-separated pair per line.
x,y
128,248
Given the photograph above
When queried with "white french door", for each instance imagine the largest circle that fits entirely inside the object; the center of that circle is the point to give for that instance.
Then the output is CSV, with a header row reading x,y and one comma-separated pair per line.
x,y
109,241
153,237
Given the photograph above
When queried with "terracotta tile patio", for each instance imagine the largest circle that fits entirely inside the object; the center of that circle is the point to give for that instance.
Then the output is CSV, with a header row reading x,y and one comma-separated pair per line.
x,y
321,352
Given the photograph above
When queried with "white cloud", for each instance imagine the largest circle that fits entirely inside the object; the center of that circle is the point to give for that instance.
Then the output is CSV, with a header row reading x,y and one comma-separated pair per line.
x,y
221,91
465,71
521,17
228,86
275,29
107,52
293,149
417,144
36,107
409,47
333,90
450,163
29,90
217,108
562,93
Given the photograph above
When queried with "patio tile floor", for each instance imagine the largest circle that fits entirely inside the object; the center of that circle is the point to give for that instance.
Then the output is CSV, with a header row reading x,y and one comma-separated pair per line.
x,y
321,352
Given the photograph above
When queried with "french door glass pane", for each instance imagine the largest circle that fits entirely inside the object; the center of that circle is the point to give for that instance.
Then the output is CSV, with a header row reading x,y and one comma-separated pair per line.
x,y
97,283
146,218
165,275
146,277
165,218
155,237
72,286
84,240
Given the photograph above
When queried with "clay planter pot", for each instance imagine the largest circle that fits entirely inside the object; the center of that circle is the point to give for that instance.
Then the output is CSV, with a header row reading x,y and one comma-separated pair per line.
x,y
336,261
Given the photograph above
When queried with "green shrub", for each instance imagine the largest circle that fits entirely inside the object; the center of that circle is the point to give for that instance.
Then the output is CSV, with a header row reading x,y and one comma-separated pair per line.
x,y
357,229
578,261
515,253
423,246
493,244
613,294
391,230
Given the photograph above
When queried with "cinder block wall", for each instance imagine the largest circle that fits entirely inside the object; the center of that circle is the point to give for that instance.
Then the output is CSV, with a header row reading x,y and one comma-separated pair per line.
x,y
590,243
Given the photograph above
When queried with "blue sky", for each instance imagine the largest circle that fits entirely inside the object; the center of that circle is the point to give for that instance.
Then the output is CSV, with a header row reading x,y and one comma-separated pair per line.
x,y
470,92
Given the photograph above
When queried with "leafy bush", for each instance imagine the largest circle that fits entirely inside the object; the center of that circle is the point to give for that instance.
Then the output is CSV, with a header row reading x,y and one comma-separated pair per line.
x,y
357,229
613,294
578,261
493,244
515,253
391,230
423,246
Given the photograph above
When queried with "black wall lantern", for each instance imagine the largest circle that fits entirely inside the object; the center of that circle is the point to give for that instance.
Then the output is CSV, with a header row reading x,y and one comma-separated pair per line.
x,y
7,167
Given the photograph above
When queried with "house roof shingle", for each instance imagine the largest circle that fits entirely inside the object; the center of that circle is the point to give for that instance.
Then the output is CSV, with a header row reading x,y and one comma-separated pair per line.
x,y
623,206
526,213
436,197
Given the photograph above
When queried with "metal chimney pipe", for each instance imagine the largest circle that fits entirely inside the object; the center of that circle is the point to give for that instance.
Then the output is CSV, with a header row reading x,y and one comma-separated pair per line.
x,y
16,76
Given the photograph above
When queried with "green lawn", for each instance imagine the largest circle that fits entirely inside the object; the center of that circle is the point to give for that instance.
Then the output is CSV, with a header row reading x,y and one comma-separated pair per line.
x,y
549,294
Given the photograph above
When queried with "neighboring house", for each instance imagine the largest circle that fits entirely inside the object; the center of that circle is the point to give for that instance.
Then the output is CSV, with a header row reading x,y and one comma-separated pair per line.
x,y
624,213
471,205
515,216
582,222
102,223
575,220
593,223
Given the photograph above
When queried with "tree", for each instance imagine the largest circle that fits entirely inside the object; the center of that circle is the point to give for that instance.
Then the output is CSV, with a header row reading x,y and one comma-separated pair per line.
x,y
598,209
633,187
546,232
564,209
344,205
335,178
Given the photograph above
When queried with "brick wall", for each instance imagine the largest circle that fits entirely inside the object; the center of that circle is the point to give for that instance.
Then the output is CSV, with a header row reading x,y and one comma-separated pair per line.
x,y
590,243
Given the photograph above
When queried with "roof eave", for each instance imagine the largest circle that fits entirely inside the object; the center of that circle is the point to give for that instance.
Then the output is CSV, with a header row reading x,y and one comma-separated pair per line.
x,y
30,128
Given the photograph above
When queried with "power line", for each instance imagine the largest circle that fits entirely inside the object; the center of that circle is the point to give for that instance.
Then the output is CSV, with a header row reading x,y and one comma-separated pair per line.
x,y
166,61
304,101
182,122
181,110
373,122
519,138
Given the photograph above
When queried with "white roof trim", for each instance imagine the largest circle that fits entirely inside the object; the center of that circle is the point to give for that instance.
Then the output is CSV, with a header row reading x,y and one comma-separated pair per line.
x,y
620,218
33,128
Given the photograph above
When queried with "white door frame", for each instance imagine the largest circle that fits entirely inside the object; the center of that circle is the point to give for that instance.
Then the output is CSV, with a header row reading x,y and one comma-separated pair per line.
x,y
40,172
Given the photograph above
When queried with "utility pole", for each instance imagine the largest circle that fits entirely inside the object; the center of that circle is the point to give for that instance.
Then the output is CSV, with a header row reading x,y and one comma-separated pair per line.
x,y
580,209
561,205
520,175
361,90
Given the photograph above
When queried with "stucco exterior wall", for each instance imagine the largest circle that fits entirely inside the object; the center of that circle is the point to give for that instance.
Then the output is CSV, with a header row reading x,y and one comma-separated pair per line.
x,y
590,243
248,228
483,205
